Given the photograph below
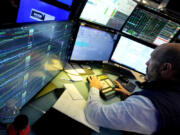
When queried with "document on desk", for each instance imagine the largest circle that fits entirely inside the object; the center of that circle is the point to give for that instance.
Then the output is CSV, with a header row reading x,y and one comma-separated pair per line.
x,y
72,104
72,73
78,68
75,77
69,69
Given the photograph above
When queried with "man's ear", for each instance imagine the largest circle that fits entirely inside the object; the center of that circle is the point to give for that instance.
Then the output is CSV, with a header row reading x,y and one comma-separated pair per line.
x,y
166,70
166,67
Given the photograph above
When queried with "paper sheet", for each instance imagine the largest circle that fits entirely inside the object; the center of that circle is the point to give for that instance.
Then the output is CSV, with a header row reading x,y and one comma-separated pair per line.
x,y
73,92
78,68
75,77
73,106
69,69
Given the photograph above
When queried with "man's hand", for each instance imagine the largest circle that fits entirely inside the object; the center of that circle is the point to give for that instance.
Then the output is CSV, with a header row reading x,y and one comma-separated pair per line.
x,y
95,82
121,89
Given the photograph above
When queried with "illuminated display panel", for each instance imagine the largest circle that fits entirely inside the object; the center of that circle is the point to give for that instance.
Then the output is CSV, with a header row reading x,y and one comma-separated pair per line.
x,y
150,27
31,56
132,54
93,45
110,13
39,11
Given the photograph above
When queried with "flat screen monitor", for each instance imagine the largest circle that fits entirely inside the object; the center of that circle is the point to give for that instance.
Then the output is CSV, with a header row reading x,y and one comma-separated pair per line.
x,y
150,27
30,57
132,54
110,13
39,11
67,2
93,45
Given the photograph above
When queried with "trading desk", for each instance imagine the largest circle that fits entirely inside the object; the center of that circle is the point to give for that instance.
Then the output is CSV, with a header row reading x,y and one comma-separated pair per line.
x,y
43,101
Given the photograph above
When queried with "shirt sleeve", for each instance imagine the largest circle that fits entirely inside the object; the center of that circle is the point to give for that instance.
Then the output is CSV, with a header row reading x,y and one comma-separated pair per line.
x,y
135,114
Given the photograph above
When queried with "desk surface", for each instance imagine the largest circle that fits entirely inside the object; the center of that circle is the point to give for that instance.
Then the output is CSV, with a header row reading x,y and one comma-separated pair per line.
x,y
47,97
82,86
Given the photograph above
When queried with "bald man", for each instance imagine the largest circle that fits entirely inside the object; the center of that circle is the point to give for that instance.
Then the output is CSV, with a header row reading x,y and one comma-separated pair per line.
x,y
155,109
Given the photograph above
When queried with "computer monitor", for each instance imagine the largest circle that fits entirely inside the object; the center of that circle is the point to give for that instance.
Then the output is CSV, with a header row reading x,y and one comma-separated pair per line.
x,y
39,11
110,13
31,55
150,27
93,44
131,54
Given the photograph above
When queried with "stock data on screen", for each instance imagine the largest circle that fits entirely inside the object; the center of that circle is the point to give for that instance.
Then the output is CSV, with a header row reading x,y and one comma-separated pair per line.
x,y
110,13
30,56
93,45
150,27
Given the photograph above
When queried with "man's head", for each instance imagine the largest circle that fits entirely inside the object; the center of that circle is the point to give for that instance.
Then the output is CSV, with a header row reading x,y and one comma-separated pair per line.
x,y
164,63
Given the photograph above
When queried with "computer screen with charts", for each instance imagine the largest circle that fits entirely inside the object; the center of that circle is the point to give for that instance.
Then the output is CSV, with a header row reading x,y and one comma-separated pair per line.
x,y
31,55
93,44
110,13
132,54
150,27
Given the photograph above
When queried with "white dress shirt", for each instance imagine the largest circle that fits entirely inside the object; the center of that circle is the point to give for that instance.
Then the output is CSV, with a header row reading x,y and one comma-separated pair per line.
x,y
135,114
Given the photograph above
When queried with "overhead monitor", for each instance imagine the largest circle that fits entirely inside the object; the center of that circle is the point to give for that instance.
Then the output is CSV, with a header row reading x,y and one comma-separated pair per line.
x,y
93,44
30,57
110,13
39,11
150,27
132,54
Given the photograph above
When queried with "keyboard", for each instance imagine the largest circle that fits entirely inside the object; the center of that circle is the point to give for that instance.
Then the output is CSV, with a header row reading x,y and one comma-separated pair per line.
x,y
128,85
